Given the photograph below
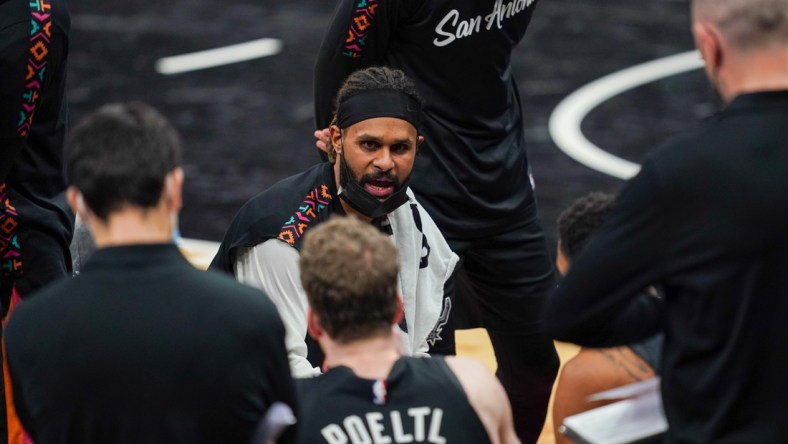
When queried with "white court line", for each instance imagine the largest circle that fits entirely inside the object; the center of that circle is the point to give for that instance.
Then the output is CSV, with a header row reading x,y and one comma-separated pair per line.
x,y
566,118
219,56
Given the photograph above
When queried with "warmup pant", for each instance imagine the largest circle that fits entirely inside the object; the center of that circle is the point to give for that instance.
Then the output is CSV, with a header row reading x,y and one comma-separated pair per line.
x,y
502,283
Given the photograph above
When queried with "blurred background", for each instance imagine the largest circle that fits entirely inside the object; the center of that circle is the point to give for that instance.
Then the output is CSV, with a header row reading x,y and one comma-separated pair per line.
x,y
249,124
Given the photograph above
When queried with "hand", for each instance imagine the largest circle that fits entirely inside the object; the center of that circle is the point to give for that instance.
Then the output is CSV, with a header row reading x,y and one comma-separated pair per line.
x,y
322,136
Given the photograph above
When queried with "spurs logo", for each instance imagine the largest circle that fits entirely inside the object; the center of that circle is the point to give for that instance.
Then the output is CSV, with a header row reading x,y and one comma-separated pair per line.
x,y
435,334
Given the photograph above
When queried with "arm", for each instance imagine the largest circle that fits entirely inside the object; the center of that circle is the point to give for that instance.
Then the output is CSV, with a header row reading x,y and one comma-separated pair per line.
x,y
282,385
487,397
273,267
601,302
357,37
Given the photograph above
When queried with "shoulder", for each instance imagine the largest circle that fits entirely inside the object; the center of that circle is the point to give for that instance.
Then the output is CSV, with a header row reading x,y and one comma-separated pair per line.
x,y
287,192
487,398
685,151
282,211
225,296
472,374
322,388
44,307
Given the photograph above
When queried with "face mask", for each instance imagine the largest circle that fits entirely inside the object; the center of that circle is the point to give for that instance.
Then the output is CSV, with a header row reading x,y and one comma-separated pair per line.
x,y
357,197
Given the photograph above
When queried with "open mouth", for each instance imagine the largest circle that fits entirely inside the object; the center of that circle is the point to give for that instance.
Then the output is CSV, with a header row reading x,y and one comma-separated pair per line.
x,y
379,188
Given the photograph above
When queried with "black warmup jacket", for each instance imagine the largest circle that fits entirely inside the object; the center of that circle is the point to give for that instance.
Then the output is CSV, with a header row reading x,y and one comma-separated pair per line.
x,y
707,219
141,347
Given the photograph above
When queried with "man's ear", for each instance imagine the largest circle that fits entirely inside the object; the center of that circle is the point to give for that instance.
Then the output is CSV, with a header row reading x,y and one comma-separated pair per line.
x,y
561,261
400,313
77,203
173,188
419,140
709,43
313,324
335,139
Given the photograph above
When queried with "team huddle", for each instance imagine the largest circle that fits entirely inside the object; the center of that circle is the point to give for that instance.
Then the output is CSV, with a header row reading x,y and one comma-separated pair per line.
x,y
329,311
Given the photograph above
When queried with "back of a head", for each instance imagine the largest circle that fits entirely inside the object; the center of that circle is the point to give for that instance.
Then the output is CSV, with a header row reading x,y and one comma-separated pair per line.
x,y
581,218
747,24
349,273
119,155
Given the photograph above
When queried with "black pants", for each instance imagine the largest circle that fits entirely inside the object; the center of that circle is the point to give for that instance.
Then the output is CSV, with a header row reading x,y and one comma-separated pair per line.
x,y
502,283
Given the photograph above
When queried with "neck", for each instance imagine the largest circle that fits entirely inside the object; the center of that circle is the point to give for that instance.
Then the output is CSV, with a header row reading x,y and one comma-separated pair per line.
x,y
760,71
133,226
370,358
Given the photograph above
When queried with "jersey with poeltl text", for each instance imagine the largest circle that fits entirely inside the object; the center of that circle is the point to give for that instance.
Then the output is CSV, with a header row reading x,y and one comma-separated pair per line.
x,y
420,402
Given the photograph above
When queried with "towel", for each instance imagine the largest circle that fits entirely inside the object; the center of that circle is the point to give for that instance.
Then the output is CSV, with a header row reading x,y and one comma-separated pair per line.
x,y
426,263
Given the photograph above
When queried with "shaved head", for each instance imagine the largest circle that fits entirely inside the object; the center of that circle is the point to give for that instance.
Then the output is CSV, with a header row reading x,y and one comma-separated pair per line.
x,y
746,24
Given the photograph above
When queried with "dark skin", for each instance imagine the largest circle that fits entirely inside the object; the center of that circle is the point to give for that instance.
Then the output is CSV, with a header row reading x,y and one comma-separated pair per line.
x,y
373,147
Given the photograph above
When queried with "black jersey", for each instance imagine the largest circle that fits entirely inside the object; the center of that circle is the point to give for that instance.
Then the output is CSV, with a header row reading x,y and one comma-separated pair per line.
x,y
420,402
472,173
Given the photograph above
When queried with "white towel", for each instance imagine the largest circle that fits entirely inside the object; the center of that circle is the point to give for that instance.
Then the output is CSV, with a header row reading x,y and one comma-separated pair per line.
x,y
421,288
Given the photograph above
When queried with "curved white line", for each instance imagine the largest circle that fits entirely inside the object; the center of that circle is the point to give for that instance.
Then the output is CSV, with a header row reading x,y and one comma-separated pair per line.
x,y
566,118
219,56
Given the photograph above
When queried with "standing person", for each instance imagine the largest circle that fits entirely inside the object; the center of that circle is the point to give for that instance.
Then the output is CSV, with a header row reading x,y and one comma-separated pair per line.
x,y
35,224
706,218
373,148
141,346
472,176
349,272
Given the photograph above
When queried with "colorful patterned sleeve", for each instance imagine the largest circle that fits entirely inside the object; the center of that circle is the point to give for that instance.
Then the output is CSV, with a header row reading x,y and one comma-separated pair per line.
x,y
357,37
26,38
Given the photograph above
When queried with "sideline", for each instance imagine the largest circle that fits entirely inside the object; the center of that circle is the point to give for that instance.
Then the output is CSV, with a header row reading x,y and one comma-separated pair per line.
x,y
564,125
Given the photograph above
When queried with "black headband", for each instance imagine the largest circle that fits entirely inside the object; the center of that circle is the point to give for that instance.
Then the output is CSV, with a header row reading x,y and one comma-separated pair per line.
x,y
378,103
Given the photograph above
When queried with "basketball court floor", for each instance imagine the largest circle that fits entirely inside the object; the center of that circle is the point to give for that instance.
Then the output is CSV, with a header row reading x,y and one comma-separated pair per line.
x,y
248,124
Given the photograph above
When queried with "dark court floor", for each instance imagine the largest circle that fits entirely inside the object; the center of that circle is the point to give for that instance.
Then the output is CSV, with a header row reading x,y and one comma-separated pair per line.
x,y
249,124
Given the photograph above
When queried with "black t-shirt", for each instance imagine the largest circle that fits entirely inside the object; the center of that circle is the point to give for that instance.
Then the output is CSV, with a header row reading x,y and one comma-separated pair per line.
x,y
421,401
472,172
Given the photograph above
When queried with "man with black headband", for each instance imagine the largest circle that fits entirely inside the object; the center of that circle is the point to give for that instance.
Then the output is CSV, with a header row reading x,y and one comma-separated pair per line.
x,y
473,172
374,141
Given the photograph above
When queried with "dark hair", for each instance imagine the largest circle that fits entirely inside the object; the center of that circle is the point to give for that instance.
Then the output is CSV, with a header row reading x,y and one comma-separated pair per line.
x,y
349,273
120,155
581,218
376,77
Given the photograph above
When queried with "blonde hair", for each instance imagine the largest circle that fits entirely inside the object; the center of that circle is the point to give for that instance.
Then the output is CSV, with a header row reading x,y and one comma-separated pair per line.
x,y
349,272
746,24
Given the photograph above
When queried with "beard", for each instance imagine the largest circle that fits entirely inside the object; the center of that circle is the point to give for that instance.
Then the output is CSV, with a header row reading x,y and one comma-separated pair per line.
x,y
353,192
